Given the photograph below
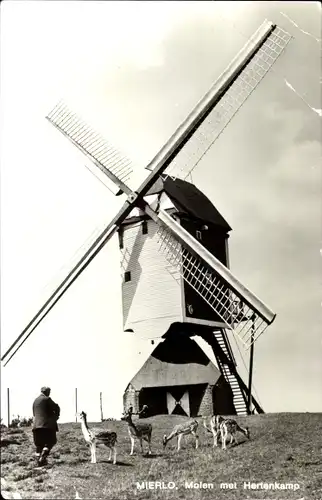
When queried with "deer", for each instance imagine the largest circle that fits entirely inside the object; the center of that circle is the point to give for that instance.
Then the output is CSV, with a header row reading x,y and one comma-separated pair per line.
x,y
215,422
139,430
230,426
180,430
96,436
224,426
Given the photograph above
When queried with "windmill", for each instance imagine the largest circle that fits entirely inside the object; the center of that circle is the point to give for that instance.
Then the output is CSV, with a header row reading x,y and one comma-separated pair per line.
x,y
234,307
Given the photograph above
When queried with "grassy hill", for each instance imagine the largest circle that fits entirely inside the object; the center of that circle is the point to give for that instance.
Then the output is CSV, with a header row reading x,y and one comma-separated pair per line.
x,y
284,448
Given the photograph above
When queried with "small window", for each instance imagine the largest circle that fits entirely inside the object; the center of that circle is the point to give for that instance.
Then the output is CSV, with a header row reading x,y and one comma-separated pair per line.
x,y
198,235
145,227
127,276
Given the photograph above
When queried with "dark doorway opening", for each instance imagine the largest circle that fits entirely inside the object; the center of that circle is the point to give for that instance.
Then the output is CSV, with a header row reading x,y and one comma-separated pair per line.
x,y
155,399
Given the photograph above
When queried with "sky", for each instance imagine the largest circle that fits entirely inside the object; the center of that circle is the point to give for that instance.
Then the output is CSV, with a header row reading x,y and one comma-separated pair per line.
x,y
135,70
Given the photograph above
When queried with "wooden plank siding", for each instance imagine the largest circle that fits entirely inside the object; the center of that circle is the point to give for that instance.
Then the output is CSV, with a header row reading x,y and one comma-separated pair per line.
x,y
152,298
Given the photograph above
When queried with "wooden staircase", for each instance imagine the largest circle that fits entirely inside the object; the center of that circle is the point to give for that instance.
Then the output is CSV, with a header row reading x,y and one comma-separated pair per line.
x,y
240,401
227,365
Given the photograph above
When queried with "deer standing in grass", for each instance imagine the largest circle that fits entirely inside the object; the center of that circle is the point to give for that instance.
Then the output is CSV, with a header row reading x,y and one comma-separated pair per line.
x,y
98,436
215,422
180,430
230,426
139,430
224,426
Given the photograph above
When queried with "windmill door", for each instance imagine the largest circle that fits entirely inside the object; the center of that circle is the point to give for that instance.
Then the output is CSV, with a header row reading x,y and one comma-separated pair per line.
x,y
178,404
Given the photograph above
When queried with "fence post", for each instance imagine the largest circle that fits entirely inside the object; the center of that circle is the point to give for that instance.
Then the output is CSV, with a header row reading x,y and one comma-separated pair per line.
x,y
76,404
8,401
101,407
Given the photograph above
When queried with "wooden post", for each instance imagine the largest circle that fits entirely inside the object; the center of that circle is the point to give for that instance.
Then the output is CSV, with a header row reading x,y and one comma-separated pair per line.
x,y
250,378
76,403
8,400
101,407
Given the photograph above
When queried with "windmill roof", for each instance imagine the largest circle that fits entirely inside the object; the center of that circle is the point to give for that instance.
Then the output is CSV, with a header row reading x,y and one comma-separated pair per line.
x,y
176,361
186,197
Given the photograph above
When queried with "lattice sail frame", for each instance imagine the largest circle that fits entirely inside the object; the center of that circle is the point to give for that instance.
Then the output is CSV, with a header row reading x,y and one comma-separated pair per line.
x,y
92,144
239,91
242,317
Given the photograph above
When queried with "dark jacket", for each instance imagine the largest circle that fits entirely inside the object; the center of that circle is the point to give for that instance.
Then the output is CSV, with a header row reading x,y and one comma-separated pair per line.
x,y
45,412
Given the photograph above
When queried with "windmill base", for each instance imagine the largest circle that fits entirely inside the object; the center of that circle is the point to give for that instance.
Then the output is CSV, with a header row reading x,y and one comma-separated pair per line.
x,y
188,400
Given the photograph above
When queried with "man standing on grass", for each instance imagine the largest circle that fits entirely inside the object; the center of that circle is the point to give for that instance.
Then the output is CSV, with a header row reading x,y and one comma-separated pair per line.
x,y
46,413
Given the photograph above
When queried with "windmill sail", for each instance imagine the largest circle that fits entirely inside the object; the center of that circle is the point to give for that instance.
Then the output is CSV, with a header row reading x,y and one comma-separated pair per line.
x,y
116,166
241,311
230,102
104,157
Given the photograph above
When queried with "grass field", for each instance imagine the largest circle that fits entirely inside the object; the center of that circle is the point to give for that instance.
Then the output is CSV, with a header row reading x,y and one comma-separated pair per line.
x,y
284,448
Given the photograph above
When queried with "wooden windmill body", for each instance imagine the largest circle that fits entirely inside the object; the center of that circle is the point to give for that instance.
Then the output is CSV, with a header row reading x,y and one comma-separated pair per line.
x,y
173,241
153,296
157,301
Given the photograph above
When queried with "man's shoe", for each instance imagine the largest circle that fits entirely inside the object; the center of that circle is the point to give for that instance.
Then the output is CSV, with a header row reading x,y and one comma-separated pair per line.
x,y
42,462
43,457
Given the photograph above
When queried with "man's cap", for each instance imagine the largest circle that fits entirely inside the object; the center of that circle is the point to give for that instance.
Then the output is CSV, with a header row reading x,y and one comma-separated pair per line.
x,y
45,389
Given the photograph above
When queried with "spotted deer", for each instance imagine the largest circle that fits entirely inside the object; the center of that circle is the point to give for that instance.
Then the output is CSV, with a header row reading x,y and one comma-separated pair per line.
x,y
98,436
180,430
214,422
230,426
138,430
220,426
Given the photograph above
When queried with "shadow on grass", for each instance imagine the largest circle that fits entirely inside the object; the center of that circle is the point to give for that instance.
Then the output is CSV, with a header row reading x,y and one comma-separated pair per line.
x,y
125,464
152,455
233,445
15,431
68,461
